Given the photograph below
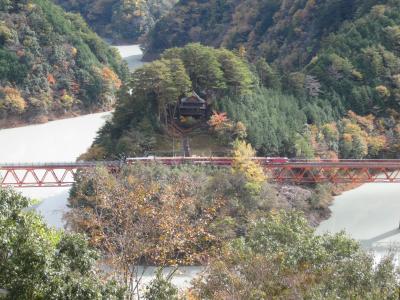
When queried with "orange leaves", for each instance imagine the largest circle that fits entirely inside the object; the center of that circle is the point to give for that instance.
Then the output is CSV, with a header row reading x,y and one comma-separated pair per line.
x,y
110,76
218,120
367,122
225,128
51,79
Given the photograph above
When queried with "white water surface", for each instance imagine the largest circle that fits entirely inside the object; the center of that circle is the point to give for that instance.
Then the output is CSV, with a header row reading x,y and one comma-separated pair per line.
x,y
132,54
369,214
57,141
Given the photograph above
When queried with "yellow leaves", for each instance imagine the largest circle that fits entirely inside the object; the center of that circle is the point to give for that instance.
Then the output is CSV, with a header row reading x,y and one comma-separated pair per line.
x,y
5,32
357,75
242,51
382,91
11,99
242,152
67,101
330,131
243,163
240,130
74,51
376,144
378,10
352,128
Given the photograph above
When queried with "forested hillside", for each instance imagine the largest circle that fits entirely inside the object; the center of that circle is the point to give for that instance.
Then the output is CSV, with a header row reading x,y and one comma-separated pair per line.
x,y
247,103
51,64
228,82
119,20
345,51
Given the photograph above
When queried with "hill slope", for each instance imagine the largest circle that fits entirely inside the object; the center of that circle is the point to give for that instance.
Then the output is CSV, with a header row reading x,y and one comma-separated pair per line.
x,y
146,109
346,51
51,63
119,20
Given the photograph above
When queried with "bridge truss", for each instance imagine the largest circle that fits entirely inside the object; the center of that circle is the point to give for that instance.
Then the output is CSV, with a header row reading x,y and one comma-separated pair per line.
x,y
278,170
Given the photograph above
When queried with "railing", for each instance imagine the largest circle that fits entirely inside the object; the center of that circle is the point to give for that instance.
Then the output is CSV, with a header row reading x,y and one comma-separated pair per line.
x,y
279,169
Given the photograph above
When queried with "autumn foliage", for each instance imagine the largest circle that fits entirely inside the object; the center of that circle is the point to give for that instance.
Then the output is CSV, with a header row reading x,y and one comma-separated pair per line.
x,y
11,99
135,221
110,76
243,163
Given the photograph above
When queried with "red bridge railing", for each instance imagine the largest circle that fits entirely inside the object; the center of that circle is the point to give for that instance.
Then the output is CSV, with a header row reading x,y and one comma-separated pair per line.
x,y
279,170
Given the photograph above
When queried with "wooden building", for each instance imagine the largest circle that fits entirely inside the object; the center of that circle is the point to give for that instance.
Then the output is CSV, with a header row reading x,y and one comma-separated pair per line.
x,y
193,106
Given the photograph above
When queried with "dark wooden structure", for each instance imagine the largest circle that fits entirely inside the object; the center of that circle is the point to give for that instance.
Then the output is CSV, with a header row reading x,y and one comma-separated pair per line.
x,y
192,106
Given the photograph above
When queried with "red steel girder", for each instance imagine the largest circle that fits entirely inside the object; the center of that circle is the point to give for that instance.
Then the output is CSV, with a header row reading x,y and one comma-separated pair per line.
x,y
279,170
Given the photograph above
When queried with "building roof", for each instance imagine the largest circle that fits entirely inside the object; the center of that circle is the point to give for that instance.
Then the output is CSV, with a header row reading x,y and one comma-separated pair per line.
x,y
193,98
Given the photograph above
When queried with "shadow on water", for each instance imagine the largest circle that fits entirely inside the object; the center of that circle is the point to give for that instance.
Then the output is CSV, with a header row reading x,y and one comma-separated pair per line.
x,y
53,208
134,61
370,242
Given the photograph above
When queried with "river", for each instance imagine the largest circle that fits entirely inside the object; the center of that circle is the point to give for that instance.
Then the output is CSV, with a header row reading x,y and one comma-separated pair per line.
x,y
132,54
370,213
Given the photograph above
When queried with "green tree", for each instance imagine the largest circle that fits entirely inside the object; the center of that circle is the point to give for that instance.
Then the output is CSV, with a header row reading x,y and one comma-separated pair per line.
x,y
283,258
268,76
39,263
237,75
202,65
161,288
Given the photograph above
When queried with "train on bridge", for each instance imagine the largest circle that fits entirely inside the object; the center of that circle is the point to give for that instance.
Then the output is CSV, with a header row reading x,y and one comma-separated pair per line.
x,y
216,161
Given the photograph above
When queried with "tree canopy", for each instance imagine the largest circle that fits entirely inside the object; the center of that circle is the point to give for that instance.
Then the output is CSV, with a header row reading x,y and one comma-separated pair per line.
x,y
283,258
52,63
40,263
344,51
118,20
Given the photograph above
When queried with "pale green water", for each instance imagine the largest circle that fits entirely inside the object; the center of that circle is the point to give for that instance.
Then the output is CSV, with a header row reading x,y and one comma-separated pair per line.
x,y
370,214
132,54
62,140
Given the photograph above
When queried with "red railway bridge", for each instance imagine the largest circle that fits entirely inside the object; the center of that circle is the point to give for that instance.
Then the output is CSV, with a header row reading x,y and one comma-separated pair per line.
x,y
279,170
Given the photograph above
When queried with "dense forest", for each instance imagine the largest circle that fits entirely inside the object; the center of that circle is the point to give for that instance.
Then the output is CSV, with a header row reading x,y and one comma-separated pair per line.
x,y
244,105
119,20
227,81
51,63
343,51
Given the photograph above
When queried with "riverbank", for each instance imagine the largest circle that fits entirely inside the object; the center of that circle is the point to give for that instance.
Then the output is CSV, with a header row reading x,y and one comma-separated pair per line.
x,y
15,122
